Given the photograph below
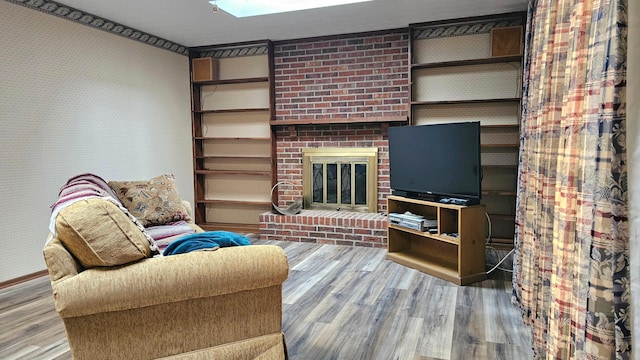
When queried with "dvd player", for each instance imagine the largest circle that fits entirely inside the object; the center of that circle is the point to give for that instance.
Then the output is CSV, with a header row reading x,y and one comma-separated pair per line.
x,y
412,221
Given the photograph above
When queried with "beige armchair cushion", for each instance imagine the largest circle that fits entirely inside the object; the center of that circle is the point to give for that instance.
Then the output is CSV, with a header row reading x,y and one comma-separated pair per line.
x,y
98,233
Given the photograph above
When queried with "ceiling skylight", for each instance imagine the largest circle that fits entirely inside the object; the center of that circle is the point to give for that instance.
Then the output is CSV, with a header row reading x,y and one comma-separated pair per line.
x,y
245,8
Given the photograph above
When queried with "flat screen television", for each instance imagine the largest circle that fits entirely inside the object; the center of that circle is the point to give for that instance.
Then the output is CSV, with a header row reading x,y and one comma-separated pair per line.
x,y
436,162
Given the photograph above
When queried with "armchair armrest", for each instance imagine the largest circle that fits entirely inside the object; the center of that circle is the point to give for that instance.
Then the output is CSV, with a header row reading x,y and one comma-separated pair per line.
x,y
171,279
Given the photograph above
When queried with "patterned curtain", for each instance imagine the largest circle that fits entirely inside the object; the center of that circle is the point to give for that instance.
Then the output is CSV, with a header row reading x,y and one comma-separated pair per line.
x,y
571,268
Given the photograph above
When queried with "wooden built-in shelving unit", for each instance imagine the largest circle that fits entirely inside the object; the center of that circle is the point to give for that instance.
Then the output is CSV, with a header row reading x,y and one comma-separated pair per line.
x,y
456,78
233,143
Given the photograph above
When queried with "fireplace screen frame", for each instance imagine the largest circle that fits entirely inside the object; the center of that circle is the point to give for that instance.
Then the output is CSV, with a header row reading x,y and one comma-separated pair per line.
x,y
339,156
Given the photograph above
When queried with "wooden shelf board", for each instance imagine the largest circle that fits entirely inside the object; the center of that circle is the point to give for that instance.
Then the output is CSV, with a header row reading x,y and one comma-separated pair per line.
x,y
237,228
425,264
233,202
352,120
443,238
233,81
493,60
233,172
226,111
475,101
234,157
232,138
428,203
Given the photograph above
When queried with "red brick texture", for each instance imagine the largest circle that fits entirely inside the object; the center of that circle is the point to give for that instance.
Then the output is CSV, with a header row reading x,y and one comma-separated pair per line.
x,y
326,227
341,77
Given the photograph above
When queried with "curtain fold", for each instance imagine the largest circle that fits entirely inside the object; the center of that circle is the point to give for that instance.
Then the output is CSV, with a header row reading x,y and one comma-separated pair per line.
x,y
571,268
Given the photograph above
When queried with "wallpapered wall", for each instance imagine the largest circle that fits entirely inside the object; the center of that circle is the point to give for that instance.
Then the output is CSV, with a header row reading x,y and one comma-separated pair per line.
x,y
75,99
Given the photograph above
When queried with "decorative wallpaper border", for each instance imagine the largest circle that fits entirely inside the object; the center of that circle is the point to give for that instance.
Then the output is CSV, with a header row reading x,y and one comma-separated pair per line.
x,y
85,18
461,29
247,50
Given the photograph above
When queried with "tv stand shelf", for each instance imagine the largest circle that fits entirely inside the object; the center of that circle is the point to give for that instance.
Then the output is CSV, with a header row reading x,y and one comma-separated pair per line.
x,y
459,259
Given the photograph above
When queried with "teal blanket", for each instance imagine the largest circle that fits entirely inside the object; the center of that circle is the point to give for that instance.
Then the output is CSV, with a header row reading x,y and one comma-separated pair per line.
x,y
205,240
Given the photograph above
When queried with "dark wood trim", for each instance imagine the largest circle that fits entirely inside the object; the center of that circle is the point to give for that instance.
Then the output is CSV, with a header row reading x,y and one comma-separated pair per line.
x,y
271,78
232,157
24,278
226,111
272,117
231,138
196,132
475,101
233,81
233,172
410,61
352,120
493,60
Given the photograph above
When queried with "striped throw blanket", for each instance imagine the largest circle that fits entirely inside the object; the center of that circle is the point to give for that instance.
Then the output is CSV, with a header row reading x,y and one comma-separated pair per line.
x,y
87,186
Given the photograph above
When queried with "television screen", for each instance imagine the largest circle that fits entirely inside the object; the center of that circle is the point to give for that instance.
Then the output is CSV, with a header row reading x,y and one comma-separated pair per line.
x,y
436,161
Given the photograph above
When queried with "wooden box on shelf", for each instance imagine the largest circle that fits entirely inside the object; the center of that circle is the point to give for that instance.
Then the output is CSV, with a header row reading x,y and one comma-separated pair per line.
x,y
454,252
506,41
204,69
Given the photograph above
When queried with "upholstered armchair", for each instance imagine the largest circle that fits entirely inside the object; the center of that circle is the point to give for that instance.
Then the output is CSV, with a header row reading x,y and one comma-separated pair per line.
x,y
222,304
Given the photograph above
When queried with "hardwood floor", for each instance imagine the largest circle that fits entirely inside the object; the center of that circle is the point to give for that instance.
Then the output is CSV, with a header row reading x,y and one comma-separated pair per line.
x,y
338,303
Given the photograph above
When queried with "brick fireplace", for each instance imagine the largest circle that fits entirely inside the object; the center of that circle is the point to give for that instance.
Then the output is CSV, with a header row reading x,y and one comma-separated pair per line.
x,y
342,91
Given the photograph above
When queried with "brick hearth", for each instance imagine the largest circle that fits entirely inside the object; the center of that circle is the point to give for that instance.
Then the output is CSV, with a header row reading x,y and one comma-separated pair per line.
x,y
326,227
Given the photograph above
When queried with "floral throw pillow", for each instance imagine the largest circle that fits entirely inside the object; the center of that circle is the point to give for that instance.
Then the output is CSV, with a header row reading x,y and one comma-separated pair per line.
x,y
153,202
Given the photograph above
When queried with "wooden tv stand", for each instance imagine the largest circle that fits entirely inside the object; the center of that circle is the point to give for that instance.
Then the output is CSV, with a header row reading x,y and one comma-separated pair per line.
x,y
459,259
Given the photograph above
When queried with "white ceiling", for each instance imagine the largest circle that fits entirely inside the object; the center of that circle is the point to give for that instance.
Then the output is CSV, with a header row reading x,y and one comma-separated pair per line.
x,y
193,23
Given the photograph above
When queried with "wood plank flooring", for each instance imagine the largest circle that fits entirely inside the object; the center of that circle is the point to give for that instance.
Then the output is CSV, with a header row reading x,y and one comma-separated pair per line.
x,y
338,303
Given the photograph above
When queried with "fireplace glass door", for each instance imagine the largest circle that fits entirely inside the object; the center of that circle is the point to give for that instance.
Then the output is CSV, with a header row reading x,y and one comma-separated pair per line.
x,y
339,184
340,180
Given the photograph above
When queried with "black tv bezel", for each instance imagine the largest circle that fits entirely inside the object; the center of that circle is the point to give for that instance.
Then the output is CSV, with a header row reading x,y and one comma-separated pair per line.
x,y
437,196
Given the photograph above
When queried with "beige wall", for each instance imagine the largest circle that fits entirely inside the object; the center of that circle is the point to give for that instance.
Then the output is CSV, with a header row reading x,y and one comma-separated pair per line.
x,y
74,99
